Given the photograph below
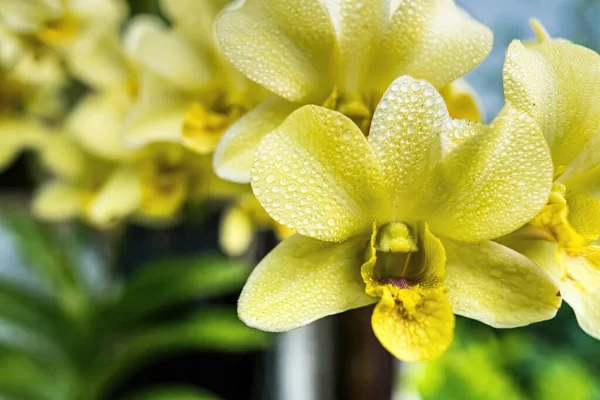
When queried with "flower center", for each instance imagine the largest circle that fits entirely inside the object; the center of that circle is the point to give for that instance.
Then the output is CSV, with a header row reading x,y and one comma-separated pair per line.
x,y
398,258
11,95
60,31
204,125
358,108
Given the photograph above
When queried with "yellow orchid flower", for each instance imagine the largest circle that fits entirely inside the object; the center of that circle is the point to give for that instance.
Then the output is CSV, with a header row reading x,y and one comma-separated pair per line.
x,y
342,55
151,185
242,220
78,178
557,83
31,81
59,23
403,218
189,83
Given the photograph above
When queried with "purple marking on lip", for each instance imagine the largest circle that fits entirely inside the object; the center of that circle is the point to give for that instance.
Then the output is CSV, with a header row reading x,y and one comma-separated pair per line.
x,y
399,282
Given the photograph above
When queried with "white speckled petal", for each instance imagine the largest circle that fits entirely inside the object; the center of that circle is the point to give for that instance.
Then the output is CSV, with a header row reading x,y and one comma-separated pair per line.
x,y
405,136
289,47
430,39
492,180
317,175
558,84
235,152
498,286
303,280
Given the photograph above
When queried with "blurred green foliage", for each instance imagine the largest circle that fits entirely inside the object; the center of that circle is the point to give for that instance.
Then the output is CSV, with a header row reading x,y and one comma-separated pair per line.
x,y
483,364
72,331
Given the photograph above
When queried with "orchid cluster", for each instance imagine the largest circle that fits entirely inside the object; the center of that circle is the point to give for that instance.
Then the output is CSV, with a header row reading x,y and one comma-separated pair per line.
x,y
365,151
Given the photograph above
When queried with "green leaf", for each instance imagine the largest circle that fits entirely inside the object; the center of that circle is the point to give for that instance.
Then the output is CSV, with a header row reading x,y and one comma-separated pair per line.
x,y
216,329
172,393
173,281
46,254
18,338
23,378
34,314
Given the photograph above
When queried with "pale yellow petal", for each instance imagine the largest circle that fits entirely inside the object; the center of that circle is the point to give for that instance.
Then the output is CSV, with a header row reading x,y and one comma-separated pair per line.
x,y
287,47
405,136
96,122
462,101
586,307
493,182
97,58
430,39
235,152
541,252
583,173
63,157
158,116
136,30
584,215
118,198
111,12
236,231
558,84
498,286
417,332
17,135
580,267
57,201
169,55
303,280
317,175
359,26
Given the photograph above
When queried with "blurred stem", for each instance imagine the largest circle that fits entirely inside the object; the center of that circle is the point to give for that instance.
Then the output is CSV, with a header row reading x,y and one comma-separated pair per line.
x,y
365,369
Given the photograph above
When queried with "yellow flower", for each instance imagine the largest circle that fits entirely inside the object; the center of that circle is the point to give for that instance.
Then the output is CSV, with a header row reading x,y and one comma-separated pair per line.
x,y
30,83
403,218
190,84
150,186
77,179
242,220
150,183
341,55
558,83
60,23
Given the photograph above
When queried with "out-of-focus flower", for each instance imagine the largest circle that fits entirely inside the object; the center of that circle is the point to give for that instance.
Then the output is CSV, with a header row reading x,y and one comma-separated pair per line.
x,y
106,181
342,55
31,79
242,220
190,85
60,23
152,185
557,83
430,192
